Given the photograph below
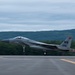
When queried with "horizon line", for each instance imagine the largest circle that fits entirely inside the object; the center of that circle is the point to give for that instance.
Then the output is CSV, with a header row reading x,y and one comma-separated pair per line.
x,y
36,31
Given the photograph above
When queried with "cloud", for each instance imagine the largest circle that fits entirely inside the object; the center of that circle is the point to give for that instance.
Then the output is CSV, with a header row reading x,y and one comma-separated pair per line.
x,y
21,27
58,6
31,1
35,15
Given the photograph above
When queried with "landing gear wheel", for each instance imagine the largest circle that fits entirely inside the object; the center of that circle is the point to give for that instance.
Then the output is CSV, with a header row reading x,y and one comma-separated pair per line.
x,y
44,52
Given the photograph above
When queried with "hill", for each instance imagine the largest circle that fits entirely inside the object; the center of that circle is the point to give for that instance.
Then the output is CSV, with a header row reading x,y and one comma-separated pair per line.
x,y
40,35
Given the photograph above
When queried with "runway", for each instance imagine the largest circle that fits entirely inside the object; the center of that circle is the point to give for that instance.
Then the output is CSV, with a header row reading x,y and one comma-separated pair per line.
x,y
37,65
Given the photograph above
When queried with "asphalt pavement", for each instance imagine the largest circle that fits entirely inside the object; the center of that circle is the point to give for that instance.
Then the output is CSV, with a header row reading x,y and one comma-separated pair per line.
x,y
37,65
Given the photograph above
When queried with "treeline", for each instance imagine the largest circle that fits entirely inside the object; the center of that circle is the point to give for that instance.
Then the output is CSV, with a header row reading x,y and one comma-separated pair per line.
x,y
15,49
45,35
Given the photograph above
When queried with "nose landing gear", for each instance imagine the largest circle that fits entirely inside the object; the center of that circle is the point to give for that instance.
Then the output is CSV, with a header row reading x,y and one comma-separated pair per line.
x,y
24,52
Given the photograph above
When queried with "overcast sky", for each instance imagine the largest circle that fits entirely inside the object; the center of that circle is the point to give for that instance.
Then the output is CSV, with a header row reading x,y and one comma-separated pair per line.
x,y
37,15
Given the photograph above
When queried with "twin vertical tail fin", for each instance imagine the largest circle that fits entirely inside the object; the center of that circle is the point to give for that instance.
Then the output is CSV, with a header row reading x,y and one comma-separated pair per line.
x,y
66,43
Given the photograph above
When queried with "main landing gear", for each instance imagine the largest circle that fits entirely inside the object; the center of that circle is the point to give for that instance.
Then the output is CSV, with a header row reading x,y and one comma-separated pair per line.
x,y
44,52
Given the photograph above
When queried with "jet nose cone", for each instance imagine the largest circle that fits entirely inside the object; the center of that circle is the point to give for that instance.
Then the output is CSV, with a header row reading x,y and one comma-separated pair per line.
x,y
6,41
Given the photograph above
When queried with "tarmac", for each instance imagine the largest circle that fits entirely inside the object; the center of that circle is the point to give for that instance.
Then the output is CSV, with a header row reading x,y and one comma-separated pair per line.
x,y
37,65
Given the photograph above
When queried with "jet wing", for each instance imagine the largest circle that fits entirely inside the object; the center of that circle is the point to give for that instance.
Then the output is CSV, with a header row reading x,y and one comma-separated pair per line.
x,y
48,46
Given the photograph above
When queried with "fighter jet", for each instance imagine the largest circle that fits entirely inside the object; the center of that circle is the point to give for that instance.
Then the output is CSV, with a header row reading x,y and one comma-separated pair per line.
x,y
64,46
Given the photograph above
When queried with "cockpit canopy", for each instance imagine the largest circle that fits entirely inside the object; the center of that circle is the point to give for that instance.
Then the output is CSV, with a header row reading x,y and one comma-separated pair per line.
x,y
20,37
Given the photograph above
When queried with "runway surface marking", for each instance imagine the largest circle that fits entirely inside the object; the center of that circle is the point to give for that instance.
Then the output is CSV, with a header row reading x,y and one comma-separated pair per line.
x,y
66,60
